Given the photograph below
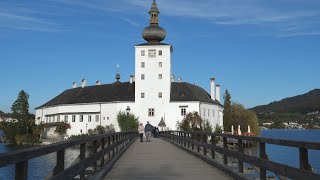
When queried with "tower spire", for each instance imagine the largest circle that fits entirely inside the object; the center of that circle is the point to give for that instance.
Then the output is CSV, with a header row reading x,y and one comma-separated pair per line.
x,y
154,14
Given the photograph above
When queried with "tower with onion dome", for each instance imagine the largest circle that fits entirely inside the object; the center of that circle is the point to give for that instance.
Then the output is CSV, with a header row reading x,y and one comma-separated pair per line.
x,y
153,70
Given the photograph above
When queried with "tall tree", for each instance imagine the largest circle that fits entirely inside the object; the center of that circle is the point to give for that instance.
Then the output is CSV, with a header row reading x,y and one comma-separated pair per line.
x,y
227,116
20,108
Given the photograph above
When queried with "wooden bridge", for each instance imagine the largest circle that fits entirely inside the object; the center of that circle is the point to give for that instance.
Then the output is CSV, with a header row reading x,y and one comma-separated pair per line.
x,y
175,155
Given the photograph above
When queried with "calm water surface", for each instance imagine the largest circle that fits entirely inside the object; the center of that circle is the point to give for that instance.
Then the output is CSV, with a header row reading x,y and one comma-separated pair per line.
x,y
41,166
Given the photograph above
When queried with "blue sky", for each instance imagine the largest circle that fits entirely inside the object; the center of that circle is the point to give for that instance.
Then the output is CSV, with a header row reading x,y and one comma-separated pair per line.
x,y
261,50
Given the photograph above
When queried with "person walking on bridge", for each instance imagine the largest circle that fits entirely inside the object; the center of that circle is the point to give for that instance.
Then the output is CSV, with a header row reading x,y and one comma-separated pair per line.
x,y
141,131
147,130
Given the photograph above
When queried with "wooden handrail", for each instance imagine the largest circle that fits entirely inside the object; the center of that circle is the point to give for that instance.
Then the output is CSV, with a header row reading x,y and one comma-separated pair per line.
x,y
262,161
21,157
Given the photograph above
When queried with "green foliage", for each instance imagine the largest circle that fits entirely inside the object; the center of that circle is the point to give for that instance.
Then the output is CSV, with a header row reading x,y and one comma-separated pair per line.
x,y
80,136
62,128
193,122
218,129
227,115
102,130
20,108
127,122
243,117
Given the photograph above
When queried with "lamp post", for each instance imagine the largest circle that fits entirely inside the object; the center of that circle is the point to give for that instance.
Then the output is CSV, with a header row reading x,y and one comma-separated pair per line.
x,y
128,110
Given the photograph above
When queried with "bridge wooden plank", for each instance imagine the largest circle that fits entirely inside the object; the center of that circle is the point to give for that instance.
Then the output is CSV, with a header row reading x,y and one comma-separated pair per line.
x,y
159,159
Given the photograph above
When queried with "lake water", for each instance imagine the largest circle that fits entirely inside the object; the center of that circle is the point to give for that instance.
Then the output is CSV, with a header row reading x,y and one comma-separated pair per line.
x,y
41,166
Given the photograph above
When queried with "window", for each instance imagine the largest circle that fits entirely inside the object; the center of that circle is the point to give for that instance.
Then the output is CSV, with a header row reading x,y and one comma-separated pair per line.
x,y
160,94
81,118
183,111
73,118
97,118
204,112
107,118
89,118
58,118
160,52
160,76
160,64
142,95
65,118
143,52
142,64
142,77
152,53
151,111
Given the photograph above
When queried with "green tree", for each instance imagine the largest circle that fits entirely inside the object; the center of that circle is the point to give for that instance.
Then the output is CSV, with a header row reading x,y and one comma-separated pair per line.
x,y
20,108
227,119
62,128
127,122
243,117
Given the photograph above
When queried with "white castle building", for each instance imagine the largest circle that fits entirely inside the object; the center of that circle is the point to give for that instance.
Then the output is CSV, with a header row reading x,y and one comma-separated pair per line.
x,y
151,94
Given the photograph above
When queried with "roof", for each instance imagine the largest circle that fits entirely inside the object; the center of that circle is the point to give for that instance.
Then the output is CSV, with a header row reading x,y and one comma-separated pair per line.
x,y
152,44
118,91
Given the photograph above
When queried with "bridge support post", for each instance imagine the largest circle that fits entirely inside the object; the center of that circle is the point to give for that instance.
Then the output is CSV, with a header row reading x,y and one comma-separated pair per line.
x,y
199,141
304,160
82,157
213,144
113,141
95,148
225,146
103,143
184,139
109,143
188,136
192,138
59,163
262,155
240,150
205,142
22,170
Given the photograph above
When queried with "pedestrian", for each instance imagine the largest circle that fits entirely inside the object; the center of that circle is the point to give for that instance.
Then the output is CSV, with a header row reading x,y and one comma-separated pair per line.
x,y
141,131
157,132
147,130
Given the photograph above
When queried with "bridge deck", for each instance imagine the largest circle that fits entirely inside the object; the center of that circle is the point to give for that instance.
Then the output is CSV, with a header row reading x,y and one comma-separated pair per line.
x,y
162,160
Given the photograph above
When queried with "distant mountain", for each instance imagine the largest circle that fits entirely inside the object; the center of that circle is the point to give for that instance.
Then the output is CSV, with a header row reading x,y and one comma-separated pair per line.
x,y
302,104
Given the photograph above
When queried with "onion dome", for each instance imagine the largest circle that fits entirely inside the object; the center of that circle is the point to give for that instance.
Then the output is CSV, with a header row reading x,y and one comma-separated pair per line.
x,y
154,33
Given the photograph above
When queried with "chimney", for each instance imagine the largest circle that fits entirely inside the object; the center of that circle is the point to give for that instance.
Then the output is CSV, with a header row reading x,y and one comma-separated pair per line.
x,y
212,86
74,85
131,79
218,92
83,83
98,83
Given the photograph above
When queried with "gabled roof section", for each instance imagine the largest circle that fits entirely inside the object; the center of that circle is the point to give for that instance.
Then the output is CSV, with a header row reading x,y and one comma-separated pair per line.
x,y
91,94
183,91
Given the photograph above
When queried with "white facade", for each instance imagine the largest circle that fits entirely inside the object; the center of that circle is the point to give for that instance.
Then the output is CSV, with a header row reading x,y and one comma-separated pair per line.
x,y
152,100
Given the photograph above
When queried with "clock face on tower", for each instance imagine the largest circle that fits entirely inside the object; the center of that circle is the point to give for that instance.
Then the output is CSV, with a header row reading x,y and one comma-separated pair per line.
x,y
152,53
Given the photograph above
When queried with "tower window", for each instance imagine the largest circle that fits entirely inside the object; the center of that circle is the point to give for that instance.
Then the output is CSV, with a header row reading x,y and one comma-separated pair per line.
x,y
160,95
143,53
152,53
160,52
160,76
142,64
142,77
142,95
151,112
160,64
183,111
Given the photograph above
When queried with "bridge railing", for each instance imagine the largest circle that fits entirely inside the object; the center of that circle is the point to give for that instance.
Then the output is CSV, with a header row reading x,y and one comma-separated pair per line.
x,y
110,146
203,144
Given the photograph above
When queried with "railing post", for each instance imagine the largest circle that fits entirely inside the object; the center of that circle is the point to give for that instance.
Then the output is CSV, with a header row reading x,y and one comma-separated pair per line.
x,y
103,143
95,148
198,141
184,139
262,155
192,138
304,160
205,142
109,143
213,143
82,157
59,163
225,146
113,141
22,170
188,136
117,140
240,150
